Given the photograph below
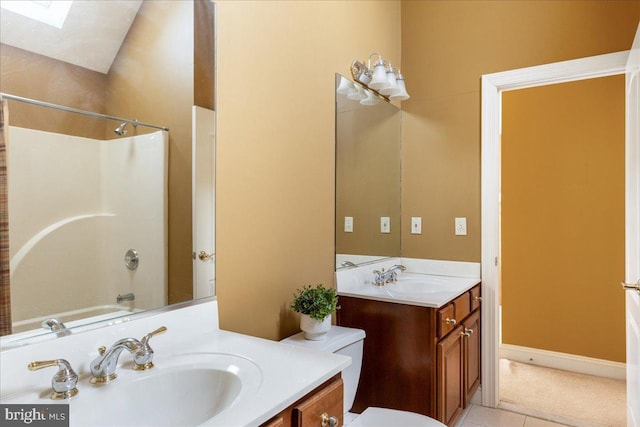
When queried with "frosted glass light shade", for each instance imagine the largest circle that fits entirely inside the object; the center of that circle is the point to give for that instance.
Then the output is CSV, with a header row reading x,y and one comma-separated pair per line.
x,y
371,99
344,87
402,95
379,80
357,94
392,87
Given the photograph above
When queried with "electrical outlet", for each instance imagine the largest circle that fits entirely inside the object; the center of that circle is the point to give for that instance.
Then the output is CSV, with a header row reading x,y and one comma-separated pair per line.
x,y
461,226
385,224
416,225
348,224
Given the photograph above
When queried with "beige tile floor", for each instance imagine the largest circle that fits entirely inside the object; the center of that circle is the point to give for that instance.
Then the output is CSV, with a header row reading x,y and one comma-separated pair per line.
x,y
479,416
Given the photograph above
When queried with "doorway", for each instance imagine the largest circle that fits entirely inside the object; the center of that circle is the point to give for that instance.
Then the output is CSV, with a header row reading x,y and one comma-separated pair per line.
x,y
562,249
492,87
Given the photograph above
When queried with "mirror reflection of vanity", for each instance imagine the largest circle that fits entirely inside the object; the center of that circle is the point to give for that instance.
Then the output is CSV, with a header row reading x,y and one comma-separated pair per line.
x,y
155,73
367,176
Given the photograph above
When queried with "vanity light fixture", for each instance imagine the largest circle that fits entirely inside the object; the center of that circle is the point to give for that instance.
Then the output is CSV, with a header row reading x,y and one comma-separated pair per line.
x,y
356,92
385,80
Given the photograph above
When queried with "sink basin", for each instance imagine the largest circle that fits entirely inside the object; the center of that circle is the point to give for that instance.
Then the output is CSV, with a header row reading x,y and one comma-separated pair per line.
x,y
416,286
184,390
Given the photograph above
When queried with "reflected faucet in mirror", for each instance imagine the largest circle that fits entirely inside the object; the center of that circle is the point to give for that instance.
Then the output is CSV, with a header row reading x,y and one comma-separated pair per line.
x,y
55,325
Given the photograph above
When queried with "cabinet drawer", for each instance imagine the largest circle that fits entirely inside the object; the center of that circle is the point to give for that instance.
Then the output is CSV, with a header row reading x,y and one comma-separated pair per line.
x,y
463,306
329,400
274,422
446,319
475,297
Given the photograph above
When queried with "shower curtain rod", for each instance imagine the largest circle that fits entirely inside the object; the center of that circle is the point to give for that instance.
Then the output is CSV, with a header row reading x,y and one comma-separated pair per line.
x,y
77,111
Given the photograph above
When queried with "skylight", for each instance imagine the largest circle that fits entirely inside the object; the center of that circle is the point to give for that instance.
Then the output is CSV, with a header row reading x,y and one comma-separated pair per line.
x,y
50,12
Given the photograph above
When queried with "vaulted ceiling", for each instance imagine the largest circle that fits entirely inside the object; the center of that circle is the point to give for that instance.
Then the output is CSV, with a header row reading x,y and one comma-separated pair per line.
x,y
90,37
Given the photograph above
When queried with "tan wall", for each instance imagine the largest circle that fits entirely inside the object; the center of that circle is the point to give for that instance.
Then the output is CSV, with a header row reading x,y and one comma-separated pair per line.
x,y
563,218
152,81
37,77
203,53
446,47
275,147
368,179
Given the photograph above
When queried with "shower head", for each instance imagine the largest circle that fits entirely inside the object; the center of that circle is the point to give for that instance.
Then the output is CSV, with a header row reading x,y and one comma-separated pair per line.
x,y
120,130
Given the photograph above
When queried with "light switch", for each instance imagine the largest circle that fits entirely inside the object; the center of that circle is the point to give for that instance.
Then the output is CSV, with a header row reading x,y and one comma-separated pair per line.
x,y
416,225
385,224
348,224
461,226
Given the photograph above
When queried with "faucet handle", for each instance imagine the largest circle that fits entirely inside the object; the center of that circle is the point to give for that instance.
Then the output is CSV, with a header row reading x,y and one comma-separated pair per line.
x,y
64,381
143,358
158,331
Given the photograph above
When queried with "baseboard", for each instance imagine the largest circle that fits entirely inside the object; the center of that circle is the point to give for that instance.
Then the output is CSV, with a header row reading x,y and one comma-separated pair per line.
x,y
564,361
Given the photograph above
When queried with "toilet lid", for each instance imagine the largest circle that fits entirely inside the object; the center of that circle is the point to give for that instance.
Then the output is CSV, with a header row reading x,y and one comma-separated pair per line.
x,y
382,417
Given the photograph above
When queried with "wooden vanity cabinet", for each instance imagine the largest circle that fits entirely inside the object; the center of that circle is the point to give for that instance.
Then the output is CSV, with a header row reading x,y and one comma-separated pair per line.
x,y
308,412
417,359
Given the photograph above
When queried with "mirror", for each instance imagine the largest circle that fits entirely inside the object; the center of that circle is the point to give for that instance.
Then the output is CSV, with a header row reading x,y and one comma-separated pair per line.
x,y
152,63
367,176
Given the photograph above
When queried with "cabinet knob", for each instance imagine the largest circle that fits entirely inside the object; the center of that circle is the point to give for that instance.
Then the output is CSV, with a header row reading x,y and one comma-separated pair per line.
x,y
450,321
477,299
468,331
465,333
328,421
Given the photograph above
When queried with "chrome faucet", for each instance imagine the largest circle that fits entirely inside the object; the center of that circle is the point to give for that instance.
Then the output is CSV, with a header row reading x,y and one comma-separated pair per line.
x,y
103,368
393,272
382,277
54,324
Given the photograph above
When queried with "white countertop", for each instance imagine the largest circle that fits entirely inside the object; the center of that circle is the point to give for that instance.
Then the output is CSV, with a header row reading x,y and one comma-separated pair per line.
x,y
439,289
286,372
415,286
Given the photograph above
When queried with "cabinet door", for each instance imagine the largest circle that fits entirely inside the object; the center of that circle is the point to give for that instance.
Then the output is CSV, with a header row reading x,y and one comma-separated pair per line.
x,y
329,400
451,376
471,355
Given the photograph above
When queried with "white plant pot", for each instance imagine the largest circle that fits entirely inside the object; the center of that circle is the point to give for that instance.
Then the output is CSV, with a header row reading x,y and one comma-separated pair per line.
x,y
313,329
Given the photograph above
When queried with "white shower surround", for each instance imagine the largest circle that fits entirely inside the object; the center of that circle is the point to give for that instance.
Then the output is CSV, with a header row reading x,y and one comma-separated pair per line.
x,y
100,198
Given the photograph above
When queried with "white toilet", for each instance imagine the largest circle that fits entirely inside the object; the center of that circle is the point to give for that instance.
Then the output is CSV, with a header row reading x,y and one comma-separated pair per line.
x,y
349,342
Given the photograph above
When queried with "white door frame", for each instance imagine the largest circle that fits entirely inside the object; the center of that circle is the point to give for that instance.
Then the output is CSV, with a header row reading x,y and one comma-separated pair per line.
x,y
492,87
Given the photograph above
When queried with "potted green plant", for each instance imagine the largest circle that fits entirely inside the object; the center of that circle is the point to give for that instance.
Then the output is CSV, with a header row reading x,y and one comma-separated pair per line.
x,y
315,305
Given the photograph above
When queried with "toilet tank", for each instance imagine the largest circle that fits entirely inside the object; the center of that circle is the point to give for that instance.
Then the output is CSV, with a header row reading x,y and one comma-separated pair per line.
x,y
340,340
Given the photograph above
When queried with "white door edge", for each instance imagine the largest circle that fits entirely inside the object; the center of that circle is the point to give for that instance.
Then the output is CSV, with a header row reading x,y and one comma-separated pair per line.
x,y
632,230
203,201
